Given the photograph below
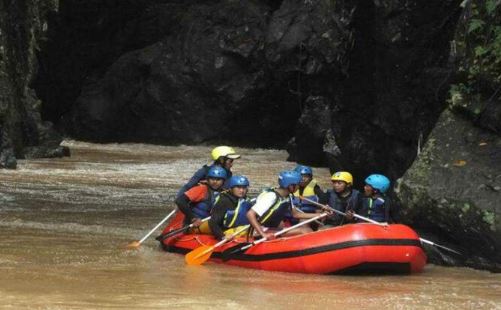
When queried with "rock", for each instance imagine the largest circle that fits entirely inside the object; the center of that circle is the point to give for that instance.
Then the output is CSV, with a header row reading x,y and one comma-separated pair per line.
x,y
490,118
311,130
22,27
395,88
448,201
8,159
230,70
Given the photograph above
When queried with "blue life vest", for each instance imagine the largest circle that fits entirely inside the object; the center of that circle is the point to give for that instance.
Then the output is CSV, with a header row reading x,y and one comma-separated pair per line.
x,y
302,206
238,216
276,213
203,208
376,209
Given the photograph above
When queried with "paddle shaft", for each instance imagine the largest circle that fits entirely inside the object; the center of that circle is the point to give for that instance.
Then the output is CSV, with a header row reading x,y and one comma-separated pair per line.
x,y
342,213
438,245
380,224
226,239
179,230
301,211
158,225
283,231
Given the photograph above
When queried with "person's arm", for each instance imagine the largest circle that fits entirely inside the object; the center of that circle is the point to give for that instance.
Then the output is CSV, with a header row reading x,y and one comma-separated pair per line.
x,y
183,203
217,218
263,203
302,215
252,217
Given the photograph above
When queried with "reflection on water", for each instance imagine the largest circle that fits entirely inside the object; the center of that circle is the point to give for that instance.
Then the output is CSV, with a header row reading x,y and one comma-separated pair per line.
x,y
64,224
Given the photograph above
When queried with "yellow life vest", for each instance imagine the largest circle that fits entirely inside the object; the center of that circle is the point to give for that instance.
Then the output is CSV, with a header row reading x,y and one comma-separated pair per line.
x,y
309,190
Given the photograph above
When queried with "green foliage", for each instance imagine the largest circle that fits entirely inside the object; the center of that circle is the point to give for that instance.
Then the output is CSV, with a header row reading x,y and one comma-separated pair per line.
x,y
478,45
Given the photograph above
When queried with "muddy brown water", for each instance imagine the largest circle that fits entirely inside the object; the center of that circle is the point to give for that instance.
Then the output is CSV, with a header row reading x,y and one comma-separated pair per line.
x,y
64,224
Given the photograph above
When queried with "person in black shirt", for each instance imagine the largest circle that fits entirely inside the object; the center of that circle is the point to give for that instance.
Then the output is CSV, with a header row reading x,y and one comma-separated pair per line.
x,y
344,198
229,213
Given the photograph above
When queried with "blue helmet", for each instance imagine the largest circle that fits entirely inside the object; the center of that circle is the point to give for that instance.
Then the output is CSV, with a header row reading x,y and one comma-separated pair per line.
x,y
286,178
304,170
378,182
217,172
238,180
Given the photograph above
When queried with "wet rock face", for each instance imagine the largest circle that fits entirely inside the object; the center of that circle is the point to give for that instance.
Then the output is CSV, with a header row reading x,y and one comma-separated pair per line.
x,y
452,191
231,70
395,88
22,131
246,71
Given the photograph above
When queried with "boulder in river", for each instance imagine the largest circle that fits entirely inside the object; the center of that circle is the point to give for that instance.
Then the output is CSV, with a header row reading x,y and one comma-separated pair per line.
x,y
452,192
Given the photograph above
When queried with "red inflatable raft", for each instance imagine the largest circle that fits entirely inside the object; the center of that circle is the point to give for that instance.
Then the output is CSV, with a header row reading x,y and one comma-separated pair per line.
x,y
353,248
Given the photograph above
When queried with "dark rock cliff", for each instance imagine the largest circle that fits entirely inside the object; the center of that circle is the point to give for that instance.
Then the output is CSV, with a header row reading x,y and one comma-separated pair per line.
x,y
367,80
452,190
22,132
195,71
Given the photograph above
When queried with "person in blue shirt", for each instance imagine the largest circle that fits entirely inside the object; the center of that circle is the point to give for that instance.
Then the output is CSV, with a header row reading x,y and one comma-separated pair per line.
x,y
376,204
223,156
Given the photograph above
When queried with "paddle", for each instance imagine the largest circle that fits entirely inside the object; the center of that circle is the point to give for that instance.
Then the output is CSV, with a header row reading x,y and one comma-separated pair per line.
x,y
171,233
301,211
226,255
380,224
201,254
136,244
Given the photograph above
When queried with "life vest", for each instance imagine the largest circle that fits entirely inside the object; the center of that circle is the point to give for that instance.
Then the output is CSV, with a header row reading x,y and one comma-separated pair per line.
x,y
376,209
309,193
276,213
203,208
238,216
336,203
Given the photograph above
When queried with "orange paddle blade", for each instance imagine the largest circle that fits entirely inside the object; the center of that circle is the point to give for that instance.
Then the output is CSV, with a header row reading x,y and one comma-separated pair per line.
x,y
133,245
199,255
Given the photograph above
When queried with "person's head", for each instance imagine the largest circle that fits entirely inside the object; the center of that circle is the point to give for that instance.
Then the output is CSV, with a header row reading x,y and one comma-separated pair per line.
x,y
215,177
342,181
306,174
224,156
238,186
376,184
289,180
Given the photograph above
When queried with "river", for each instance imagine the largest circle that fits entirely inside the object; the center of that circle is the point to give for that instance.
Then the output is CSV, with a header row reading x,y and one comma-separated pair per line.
x,y
64,224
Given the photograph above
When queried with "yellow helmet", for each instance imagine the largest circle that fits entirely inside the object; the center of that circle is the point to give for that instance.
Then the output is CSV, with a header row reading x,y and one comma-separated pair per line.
x,y
343,176
224,151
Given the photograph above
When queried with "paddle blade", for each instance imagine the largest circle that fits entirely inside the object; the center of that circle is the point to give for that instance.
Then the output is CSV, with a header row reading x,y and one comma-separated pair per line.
x,y
199,255
133,245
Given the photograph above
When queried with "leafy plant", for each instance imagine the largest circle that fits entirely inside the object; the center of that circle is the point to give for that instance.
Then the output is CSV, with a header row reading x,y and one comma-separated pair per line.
x,y
478,45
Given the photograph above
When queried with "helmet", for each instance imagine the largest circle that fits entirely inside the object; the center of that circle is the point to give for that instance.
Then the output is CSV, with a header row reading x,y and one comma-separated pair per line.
x,y
378,182
286,178
224,151
343,176
217,172
304,170
238,180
